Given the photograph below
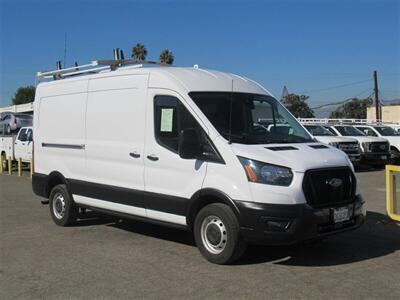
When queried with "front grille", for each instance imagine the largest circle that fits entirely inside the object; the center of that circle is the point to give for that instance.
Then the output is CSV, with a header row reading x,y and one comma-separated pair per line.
x,y
379,147
348,147
321,187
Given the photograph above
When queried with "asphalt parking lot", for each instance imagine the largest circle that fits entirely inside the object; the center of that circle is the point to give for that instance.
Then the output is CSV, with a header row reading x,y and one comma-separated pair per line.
x,y
106,258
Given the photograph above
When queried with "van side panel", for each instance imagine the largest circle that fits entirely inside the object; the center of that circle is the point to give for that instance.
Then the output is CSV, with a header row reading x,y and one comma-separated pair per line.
x,y
115,134
59,129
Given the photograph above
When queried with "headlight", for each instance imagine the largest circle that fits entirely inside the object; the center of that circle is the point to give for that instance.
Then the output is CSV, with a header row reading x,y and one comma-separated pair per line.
x,y
366,146
260,172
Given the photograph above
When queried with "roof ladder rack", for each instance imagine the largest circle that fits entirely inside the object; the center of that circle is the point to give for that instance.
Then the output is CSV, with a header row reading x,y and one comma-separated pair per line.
x,y
95,66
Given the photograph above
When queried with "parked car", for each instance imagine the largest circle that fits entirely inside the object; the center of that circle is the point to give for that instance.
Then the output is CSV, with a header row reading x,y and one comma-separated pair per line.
x,y
16,146
187,152
384,132
374,150
348,145
14,121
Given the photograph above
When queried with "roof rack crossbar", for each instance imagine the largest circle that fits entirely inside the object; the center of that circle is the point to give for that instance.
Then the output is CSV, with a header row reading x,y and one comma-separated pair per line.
x,y
94,67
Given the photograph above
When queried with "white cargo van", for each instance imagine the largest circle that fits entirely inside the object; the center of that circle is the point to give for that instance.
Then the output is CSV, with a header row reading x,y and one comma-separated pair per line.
x,y
185,150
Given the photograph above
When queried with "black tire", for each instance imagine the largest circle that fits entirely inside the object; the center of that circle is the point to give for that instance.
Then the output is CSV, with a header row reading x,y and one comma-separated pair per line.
x,y
4,162
223,225
63,209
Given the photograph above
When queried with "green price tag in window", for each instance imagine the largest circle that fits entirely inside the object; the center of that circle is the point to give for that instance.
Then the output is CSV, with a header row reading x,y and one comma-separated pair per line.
x,y
167,115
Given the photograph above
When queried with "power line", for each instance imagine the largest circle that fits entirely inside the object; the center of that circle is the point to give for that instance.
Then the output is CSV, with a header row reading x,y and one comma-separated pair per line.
x,y
343,101
335,87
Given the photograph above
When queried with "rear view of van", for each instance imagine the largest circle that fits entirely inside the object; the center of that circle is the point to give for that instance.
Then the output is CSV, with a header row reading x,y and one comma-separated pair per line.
x,y
205,151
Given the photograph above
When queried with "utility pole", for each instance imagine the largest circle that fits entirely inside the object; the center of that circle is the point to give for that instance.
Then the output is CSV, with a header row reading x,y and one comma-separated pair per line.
x,y
377,106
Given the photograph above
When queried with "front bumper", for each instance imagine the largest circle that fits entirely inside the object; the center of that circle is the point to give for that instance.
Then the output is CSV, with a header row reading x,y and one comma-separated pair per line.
x,y
377,158
305,222
354,158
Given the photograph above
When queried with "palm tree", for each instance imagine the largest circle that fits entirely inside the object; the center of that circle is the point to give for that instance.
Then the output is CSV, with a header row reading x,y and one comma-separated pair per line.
x,y
139,52
166,57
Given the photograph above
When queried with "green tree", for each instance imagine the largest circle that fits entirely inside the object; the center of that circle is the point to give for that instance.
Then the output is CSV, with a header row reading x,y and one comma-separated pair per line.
x,y
352,109
166,57
298,106
24,95
139,52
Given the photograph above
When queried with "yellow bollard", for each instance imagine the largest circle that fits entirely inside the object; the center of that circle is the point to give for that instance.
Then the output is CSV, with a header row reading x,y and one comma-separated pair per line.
x,y
9,165
19,167
31,166
391,193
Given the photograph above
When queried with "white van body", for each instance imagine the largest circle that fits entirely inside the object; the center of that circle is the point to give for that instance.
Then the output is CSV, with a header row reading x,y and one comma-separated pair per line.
x,y
121,167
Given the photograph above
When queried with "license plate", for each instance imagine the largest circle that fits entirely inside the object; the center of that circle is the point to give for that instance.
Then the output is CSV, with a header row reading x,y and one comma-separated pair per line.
x,y
341,214
383,157
352,158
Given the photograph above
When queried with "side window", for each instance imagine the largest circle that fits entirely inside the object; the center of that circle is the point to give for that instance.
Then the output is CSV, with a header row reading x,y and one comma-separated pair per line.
x,y
170,117
367,131
22,135
29,135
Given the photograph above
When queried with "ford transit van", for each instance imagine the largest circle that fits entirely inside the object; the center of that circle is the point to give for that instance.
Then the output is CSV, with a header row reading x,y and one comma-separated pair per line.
x,y
187,150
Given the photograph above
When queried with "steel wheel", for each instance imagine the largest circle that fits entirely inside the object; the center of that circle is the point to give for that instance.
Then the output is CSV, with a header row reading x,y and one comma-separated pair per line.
x,y
58,206
213,234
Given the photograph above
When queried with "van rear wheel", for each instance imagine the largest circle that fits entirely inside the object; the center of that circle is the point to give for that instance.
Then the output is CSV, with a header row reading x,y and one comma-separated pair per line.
x,y
63,210
217,234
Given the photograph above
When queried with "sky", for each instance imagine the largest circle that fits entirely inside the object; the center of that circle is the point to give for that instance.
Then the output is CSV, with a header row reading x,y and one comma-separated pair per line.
x,y
324,49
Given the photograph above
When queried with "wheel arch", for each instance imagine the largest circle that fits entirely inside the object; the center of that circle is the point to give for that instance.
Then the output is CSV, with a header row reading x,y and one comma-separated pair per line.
x,y
204,197
53,179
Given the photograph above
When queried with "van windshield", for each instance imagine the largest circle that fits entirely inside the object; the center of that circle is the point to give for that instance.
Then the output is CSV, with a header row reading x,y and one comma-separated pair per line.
x,y
250,118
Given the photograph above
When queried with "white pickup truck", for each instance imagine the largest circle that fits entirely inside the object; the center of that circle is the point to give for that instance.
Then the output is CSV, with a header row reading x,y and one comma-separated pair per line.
x,y
16,146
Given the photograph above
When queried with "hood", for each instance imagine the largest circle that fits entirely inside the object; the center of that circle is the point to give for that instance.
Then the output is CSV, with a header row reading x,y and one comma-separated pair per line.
x,y
363,139
298,157
334,139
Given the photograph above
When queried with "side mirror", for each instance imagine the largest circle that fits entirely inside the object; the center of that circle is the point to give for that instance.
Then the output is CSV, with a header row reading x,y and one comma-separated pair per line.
x,y
189,144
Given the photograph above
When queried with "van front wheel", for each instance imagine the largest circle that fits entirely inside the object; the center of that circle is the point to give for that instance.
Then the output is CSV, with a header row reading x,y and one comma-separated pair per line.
x,y
217,234
63,210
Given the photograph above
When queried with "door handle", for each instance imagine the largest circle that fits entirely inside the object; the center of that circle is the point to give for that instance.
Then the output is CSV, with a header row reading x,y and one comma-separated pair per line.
x,y
134,154
152,157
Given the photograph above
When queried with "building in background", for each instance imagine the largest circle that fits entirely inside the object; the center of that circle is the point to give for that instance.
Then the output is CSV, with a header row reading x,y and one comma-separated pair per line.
x,y
390,111
21,108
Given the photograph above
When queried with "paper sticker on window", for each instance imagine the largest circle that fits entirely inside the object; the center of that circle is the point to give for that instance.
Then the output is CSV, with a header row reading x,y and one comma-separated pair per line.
x,y
167,115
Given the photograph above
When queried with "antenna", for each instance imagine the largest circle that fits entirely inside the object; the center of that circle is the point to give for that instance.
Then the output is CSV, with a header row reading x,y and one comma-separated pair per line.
x,y
65,50
230,115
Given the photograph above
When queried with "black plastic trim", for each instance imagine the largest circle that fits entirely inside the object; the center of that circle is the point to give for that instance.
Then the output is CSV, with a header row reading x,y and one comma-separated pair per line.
x,y
39,184
64,146
306,223
281,148
134,217
108,193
